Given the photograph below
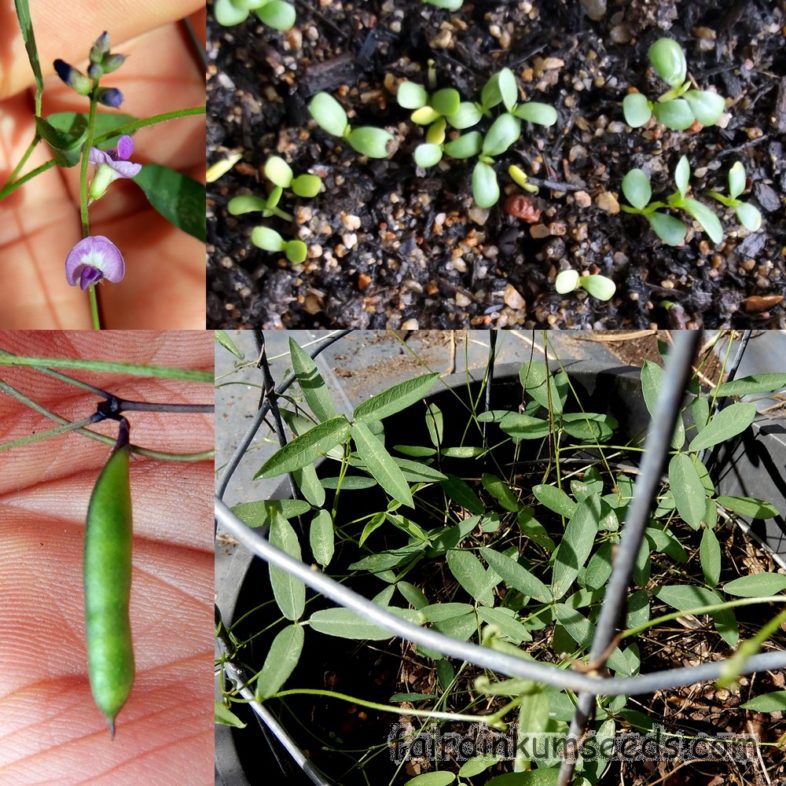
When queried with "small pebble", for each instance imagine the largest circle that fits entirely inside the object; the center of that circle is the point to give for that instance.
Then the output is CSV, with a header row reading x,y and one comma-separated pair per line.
x,y
582,198
513,299
608,202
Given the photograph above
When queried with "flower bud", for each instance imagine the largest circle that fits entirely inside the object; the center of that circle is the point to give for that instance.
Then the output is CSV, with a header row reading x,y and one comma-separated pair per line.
x,y
100,48
112,62
110,96
74,78
94,71
101,180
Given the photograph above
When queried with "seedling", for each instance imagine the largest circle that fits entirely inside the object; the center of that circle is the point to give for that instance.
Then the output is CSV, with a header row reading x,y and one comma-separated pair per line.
x,y
601,287
269,240
331,117
274,13
638,191
447,103
448,5
519,177
748,215
679,107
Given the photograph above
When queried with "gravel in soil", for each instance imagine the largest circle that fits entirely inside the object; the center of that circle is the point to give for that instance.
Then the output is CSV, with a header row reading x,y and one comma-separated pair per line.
x,y
391,245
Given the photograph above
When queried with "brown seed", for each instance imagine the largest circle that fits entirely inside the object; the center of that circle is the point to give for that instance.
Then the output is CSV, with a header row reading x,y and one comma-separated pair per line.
x,y
755,304
523,208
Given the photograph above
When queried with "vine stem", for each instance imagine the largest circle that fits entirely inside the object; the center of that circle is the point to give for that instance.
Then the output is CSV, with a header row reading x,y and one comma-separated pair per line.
x,y
9,187
22,161
95,318
150,121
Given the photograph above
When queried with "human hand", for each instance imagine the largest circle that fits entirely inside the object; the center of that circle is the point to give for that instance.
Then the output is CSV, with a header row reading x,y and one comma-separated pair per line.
x,y
164,285
51,729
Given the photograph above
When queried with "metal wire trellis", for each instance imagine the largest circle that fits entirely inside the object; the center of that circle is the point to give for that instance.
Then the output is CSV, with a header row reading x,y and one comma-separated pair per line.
x,y
588,685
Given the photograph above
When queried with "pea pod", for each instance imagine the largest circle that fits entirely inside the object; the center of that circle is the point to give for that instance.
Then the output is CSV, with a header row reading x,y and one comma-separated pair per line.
x,y
107,577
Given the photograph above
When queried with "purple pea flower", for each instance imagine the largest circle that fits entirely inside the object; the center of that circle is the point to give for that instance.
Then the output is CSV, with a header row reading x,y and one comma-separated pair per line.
x,y
94,257
111,165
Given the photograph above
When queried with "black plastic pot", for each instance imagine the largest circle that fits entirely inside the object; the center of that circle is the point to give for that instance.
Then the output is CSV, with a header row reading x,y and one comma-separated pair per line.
x,y
245,756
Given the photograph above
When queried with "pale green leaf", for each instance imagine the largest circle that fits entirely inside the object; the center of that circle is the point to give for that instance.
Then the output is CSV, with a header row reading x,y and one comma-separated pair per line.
x,y
395,398
380,464
280,662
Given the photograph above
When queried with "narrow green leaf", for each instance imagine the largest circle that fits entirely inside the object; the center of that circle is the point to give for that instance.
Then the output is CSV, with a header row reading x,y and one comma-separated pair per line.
x,y
755,383
554,499
311,383
520,426
516,576
289,592
380,464
501,492
688,490
434,424
460,492
225,717
258,514
470,573
306,448
28,36
179,199
750,507
432,779
282,657
505,620
538,380
223,338
684,597
476,765
417,472
767,702
307,480
321,537
345,624
394,399
576,545
759,585
651,382
710,557
727,423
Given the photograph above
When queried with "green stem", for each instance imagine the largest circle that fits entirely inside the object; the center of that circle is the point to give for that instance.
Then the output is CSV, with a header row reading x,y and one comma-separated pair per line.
x,y
372,705
41,435
149,121
22,161
205,455
133,369
95,318
9,188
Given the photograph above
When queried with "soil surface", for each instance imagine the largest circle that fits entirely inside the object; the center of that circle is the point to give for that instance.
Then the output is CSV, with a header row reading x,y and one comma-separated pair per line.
x,y
391,245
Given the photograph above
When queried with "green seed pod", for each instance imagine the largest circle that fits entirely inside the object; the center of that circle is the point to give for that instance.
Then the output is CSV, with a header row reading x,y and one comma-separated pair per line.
x,y
107,575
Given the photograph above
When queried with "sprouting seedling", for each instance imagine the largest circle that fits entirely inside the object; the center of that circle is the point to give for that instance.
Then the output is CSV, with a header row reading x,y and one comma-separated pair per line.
x,y
331,117
748,215
638,191
447,5
268,239
519,177
274,13
601,287
447,103
679,107
281,175
501,88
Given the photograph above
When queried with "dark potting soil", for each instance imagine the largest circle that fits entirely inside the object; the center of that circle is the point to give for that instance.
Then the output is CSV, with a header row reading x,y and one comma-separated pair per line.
x,y
393,246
